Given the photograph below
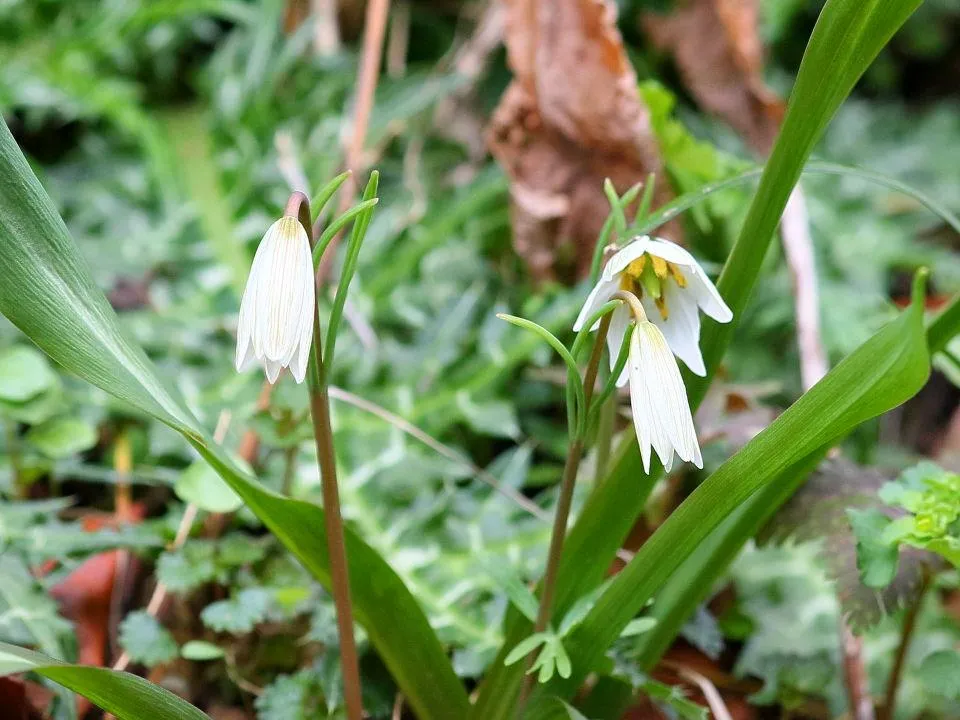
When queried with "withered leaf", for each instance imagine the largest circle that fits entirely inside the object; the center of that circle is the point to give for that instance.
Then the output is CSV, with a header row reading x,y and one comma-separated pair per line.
x,y
571,117
717,49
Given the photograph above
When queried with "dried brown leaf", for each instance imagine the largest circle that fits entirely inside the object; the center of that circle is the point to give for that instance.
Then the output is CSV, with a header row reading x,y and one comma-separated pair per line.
x,y
571,118
717,49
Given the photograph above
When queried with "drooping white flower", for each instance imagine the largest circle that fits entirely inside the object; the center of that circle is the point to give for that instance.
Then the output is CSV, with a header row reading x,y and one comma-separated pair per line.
x,y
672,287
276,314
658,399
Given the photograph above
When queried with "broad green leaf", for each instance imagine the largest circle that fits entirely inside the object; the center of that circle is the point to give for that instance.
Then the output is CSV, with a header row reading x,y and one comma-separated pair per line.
x,y
885,371
126,696
62,437
47,291
24,374
200,485
145,640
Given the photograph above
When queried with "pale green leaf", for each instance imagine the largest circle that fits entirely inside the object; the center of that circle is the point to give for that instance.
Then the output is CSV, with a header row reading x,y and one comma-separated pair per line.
x,y
62,437
24,374
200,485
201,651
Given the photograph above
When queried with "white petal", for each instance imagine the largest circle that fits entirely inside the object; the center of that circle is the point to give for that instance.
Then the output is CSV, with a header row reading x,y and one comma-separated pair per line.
x,y
682,326
601,293
671,252
272,368
618,263
298,366
619,325
707,296
247,360
276,312
640,403
670,421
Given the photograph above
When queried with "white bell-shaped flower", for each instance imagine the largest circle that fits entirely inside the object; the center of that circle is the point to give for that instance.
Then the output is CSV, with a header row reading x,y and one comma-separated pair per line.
x,y
276,314
673,289
658,399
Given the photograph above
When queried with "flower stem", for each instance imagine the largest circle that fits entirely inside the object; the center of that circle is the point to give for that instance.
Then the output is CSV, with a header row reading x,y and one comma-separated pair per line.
x,y
299,206
567,484
323,434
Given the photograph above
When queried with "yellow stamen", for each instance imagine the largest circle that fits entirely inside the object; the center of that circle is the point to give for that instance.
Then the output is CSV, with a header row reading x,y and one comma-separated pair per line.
x,y
635,269
662,307
660,267
677,275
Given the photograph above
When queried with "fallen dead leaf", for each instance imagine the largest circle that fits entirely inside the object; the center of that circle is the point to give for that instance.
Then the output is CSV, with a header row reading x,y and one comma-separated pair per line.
x,y
716,46
571,118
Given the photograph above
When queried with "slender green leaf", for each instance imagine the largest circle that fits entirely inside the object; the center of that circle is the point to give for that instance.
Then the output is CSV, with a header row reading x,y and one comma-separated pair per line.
x,y
357,235
337,225
848,36
126,696
47,291
318,202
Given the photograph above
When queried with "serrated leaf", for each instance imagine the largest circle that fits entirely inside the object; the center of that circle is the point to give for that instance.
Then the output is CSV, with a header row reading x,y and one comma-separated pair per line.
x,y
187,568
62,437
145,640
24,374
201,651
237,549
940,672
293,697
239,615
876,559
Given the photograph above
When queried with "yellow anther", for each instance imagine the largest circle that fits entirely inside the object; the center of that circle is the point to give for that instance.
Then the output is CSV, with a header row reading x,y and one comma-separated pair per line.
x,y
635,269
662,307
660,267
677,275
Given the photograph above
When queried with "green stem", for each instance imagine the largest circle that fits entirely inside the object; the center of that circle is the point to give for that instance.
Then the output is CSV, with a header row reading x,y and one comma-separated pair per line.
x,y
299,206
565,500
605,430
